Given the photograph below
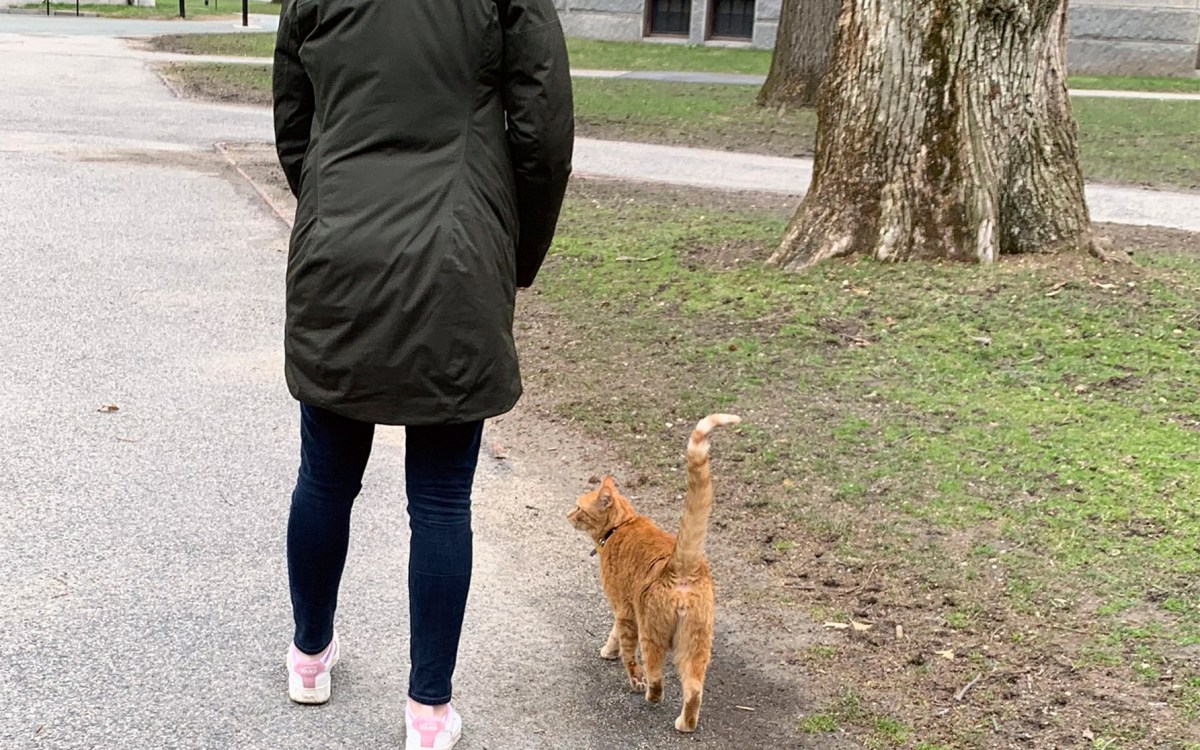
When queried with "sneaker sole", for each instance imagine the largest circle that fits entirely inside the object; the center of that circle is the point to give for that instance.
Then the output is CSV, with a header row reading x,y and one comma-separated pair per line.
x,y
409,743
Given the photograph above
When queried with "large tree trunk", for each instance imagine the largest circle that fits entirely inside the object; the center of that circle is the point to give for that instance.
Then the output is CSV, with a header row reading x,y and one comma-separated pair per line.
x,y
802,52
945,131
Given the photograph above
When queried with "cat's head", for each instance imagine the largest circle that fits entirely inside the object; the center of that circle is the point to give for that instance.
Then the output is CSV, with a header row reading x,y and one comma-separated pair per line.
x,y
593,512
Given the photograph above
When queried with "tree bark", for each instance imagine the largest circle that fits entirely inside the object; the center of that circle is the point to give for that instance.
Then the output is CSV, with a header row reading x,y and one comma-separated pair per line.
x,y
945,131
802,52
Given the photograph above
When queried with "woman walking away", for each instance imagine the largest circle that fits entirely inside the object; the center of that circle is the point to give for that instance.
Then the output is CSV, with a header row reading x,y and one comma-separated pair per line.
x,y
428,144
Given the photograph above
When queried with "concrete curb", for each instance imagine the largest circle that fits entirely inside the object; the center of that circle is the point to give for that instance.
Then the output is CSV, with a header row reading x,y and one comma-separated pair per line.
x,y
223,150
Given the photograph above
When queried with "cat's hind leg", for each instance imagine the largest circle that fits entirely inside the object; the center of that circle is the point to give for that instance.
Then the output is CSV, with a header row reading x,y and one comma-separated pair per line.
x,y
692,677
627,632
693,649
653,655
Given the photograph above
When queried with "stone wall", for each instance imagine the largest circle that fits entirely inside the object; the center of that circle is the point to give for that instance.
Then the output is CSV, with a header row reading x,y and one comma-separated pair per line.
x,y
1107,37
616,20
1132,37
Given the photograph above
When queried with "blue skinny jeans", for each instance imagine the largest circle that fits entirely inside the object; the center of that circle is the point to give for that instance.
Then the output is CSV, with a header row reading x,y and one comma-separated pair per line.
x,y
439,469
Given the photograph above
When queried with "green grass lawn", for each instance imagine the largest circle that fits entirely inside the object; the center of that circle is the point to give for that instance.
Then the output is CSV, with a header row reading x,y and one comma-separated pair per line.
x,y
596,55
1123,141
170,9
584,53
722,117
1013,451
1126,83
1140,141
654,56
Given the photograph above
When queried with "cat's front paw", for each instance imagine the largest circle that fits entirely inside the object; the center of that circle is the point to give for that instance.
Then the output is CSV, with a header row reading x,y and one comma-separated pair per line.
x,y
637,683
610,652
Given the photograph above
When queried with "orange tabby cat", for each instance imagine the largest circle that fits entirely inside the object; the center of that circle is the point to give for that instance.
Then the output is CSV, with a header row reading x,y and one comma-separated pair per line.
x,y
658,585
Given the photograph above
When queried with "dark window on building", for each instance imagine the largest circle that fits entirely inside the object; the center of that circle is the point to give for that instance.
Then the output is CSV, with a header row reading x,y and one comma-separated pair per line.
x,y
670,17
733,19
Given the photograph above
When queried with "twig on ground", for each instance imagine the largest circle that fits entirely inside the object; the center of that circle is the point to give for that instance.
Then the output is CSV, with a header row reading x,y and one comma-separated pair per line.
x,y
962,691
855,340
631,259
799,587
864,584
1068,629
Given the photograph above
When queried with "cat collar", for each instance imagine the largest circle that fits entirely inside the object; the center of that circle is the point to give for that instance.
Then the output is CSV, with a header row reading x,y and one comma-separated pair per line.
x,y
604,538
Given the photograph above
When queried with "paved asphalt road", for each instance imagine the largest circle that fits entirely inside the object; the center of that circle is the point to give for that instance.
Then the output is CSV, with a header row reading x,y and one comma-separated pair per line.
x,y
144,602
66,25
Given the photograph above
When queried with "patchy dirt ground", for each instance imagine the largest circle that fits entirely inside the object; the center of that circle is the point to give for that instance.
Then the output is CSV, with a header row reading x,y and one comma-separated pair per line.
x,y
894,649
872,644
231,84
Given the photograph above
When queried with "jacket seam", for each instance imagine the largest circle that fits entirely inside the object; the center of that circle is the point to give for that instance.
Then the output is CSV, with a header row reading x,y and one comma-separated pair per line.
x,y
319,151
465,138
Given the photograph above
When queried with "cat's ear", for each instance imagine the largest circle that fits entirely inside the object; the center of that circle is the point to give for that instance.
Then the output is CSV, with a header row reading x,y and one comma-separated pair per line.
x,y
608,488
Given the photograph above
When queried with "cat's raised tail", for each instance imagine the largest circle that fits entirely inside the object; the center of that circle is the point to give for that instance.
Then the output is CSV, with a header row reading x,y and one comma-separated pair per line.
x,y
693,527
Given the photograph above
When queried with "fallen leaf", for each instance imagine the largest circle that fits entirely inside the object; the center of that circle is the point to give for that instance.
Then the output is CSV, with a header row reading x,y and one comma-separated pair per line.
x,y
837,626
108,409
947,654
861,626
982,340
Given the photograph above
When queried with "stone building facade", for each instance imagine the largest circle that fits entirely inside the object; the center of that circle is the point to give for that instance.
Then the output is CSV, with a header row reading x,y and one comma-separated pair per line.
x,y
1107,37
751,22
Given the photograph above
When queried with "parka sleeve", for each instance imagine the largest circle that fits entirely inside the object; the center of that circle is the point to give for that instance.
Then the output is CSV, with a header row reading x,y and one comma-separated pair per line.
x,y
541,123
292,92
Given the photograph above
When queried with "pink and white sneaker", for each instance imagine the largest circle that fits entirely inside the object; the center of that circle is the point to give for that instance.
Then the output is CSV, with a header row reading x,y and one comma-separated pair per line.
x,y
429,733
308,676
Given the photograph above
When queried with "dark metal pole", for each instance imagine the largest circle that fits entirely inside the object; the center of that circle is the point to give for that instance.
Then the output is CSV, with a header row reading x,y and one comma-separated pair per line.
x,y
182,10
47,7
76,7
245,12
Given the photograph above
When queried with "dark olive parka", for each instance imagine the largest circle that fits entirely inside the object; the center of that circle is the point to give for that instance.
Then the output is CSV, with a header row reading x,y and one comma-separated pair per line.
x,y
428,143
